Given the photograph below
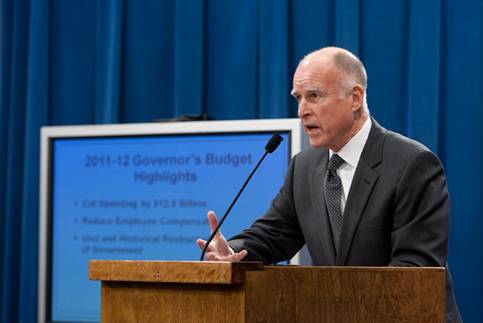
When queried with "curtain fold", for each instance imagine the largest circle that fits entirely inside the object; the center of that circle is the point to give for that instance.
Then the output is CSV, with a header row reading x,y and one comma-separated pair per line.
x,y
274,72
188,57
461,140
72,69
231,56
13,101
110,61
384,51
424,62
36,115
347,24
148,87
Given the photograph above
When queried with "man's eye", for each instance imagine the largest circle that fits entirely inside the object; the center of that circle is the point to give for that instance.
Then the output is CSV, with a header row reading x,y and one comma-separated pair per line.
x,y
314,95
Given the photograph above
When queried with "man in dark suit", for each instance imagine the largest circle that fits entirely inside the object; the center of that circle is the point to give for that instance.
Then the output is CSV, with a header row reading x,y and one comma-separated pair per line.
x,y
361,196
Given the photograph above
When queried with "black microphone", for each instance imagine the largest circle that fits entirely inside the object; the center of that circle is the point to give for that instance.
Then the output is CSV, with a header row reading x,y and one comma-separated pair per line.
x,y
270,147
272,144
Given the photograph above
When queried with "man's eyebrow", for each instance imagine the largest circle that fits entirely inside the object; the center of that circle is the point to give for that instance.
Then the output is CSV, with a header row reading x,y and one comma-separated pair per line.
x,y
315,89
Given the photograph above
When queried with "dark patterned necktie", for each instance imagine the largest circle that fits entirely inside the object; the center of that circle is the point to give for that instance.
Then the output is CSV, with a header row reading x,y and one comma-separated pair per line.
x,y
333,195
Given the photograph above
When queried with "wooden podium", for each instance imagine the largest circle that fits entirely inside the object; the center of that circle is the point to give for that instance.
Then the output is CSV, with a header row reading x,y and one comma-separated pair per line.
x,y
163,291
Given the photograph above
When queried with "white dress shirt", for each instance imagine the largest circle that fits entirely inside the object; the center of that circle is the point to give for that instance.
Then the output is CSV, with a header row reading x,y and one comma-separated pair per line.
x,y
351,154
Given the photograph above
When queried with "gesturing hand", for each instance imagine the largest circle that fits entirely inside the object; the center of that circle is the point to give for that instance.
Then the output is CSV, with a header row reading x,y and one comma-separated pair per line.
x,y
219,250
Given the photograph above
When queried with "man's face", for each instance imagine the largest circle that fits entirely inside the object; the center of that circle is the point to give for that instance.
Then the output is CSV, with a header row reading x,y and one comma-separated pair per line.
x,y
324,107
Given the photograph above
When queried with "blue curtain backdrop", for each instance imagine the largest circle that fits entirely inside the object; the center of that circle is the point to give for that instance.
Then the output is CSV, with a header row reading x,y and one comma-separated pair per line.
x,y
109,61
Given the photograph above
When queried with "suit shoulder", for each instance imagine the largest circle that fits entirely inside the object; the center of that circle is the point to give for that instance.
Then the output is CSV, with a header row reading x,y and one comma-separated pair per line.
x,y
401,148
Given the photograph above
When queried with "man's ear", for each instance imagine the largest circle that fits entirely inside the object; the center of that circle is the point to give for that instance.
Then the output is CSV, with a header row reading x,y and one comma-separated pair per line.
x,y
357,96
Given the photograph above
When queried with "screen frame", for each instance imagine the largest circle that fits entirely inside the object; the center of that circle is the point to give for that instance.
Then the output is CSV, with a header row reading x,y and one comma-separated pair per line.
x,y
293,127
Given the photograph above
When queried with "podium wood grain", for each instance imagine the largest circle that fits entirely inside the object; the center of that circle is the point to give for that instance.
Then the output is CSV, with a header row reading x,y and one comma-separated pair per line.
x,y
156,291
345,294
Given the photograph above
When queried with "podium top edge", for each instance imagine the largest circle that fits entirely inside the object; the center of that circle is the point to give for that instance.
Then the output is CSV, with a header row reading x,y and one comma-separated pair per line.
x,y
204,272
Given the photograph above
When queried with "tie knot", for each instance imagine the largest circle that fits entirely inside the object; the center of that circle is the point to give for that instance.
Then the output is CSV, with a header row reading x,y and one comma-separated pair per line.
x,y
335,162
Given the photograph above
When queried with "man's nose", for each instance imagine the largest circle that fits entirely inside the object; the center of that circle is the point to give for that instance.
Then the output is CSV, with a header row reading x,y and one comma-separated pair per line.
x,y
302,108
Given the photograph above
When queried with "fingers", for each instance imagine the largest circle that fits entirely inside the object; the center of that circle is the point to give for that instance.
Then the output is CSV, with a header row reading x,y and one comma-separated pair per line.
x,y
201,243
219,250
236,257
212,220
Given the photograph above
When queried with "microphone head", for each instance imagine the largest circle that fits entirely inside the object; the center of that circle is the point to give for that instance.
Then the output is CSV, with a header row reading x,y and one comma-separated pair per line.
x,y
273,143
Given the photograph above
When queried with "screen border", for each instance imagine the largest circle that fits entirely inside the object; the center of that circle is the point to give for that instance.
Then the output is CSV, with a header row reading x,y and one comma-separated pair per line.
x,y
293,127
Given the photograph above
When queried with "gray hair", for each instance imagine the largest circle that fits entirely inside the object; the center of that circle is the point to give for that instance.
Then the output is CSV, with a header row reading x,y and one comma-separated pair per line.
x,y
351,68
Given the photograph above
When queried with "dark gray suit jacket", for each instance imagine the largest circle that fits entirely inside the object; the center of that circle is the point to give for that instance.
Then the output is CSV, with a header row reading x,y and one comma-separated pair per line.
x,y
397,212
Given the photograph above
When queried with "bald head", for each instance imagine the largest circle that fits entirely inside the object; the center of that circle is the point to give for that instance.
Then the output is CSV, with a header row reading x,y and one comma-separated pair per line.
x,y
351,69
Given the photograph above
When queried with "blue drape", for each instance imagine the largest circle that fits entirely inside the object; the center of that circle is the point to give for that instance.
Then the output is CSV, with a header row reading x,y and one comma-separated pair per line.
x,y
109,61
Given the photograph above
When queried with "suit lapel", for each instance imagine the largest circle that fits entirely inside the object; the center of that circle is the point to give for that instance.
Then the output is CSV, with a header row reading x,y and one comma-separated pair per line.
x,y
363,182
320,216
361,188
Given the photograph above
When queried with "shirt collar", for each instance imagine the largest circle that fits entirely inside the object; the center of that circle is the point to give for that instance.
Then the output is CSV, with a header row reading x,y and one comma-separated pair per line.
x,y
352,150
